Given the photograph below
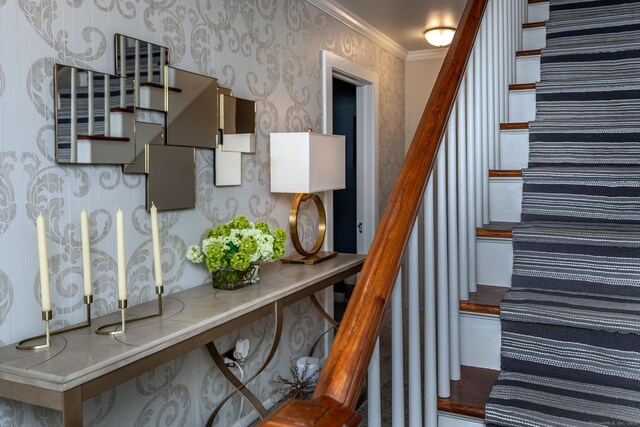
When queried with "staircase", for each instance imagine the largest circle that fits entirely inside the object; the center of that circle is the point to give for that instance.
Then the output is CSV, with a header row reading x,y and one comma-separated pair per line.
x,y
569,324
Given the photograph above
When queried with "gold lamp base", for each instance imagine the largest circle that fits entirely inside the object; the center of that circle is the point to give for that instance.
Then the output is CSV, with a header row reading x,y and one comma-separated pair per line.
x,y
314,255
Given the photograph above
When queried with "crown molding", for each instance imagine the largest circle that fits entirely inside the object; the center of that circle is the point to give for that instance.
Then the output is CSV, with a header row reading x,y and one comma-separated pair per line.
x,y
345,16
427,54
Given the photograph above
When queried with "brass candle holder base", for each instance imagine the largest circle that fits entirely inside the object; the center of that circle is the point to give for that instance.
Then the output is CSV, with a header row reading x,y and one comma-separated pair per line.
x,y
120,327
47,316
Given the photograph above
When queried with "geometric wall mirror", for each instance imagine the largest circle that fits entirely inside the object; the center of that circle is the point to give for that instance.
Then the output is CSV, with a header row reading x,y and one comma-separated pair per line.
x,y
95,114
192,109
146,133
237,124
145,63
171,177
227,168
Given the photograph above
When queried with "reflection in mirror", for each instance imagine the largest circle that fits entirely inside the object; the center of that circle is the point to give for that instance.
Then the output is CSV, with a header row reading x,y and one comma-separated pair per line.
x,y
238,124
144,62
193,108
171,179
150,126
95,117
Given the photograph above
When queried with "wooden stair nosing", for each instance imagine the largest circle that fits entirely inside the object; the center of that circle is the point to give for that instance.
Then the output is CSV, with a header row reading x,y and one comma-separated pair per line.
x,y
538,1
469,395
514,126
533,52
485,301
160,86
529,25
505,174
495,234
522,86
103,138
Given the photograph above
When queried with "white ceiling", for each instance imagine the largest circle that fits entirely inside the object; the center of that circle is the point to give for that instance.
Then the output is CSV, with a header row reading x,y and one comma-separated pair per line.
x,y
404,21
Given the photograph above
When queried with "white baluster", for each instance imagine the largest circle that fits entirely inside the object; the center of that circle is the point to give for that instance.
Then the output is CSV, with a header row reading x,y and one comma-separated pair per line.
x,y
374,405
452,231
502,61
163,60
90,101
397,355
463,264
430,331
107,105
498,87
484,72
123,62
471,173
477,131
443,276
491,70
413,301
137,71
74,116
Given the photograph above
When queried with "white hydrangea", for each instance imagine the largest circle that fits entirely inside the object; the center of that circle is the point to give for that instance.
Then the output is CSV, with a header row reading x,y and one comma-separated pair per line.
x,y
194,254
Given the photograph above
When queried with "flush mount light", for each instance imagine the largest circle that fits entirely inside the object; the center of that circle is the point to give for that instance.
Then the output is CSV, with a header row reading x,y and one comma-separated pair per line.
x,y
440,37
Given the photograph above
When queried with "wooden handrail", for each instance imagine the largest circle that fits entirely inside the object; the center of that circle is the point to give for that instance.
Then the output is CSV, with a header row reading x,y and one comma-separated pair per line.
x,y
345,370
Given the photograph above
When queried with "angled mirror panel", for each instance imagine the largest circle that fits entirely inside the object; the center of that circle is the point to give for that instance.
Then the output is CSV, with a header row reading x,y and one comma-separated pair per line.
x,y
171,177
238,124
145,63
193,108
95,117
227,168
150,129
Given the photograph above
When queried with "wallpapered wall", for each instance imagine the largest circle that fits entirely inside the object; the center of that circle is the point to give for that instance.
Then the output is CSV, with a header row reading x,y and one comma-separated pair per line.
x,y
267,50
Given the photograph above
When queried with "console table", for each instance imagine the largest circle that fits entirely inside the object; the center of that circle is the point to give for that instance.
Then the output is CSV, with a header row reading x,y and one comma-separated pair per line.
x,y
80,364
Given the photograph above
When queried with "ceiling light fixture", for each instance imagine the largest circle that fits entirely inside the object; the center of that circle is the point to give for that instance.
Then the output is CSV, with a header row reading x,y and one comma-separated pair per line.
x,y
440,36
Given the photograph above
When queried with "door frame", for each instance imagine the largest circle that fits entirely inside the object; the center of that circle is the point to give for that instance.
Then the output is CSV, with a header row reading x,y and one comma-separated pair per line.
x,y
366,82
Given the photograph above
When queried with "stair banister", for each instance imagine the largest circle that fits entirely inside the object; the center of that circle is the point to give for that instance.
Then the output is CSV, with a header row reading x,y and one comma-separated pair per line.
x,y
345,370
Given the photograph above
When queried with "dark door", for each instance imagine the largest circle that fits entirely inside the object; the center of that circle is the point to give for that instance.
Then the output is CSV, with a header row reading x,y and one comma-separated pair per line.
x,y
344,201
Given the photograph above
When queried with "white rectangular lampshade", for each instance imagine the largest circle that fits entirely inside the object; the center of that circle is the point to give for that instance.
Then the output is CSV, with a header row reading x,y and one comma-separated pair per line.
x,y
304,162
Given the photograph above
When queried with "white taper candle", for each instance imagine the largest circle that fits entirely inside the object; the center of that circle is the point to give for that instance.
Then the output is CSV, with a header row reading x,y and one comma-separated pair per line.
x,y
86,253
122,262
157,260
44,264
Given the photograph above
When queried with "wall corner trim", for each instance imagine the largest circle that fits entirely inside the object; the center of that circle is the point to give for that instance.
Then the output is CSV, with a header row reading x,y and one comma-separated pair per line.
x,y
352,21
427,54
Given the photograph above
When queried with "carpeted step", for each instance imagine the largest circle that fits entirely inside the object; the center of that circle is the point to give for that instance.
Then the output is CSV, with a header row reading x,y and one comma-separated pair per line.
x,y
617,99
521,400
591,142
577,257
600,61
582,194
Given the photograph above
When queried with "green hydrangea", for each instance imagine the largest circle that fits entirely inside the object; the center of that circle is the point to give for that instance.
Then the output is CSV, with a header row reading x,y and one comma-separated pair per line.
x,y
222,230
262,226
279,235
214,256
278,251
194,254
240,222
248,245
240,261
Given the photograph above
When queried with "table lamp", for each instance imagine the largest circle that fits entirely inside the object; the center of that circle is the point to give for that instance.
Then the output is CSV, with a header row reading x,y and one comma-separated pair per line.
x,y
306,163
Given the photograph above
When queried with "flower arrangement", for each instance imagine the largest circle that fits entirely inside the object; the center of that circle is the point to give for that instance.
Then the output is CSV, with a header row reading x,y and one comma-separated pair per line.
x,y
230,251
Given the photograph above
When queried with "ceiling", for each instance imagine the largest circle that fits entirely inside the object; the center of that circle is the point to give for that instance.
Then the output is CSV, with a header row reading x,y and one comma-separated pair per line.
x,y
404,21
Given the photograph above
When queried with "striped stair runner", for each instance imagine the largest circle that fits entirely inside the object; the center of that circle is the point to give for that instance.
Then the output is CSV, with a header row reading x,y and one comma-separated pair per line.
x,y
571,322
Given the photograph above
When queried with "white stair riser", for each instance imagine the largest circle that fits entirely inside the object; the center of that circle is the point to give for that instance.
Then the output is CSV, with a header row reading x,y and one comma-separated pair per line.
x,y
480,340
534,38
522,106
494,261
505,199
449,419
151,98
528,69
514,149
538,12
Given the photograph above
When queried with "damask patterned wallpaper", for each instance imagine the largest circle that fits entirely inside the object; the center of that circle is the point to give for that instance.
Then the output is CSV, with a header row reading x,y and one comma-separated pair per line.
x,y
267,50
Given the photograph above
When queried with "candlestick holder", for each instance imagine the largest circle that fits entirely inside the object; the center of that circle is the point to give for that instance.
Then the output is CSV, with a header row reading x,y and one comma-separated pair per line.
x,y
122,305
47,316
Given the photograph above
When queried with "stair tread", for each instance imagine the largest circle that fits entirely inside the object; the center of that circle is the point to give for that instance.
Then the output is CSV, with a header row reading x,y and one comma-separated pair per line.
x,y
470,394
486,300
538,1
496,229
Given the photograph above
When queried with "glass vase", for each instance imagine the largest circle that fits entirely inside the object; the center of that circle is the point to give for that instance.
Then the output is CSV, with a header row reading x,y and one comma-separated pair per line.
x,y
231,279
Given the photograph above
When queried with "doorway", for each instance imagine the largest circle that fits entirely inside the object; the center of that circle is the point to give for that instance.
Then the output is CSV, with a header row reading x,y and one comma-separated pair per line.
x,y
345,202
